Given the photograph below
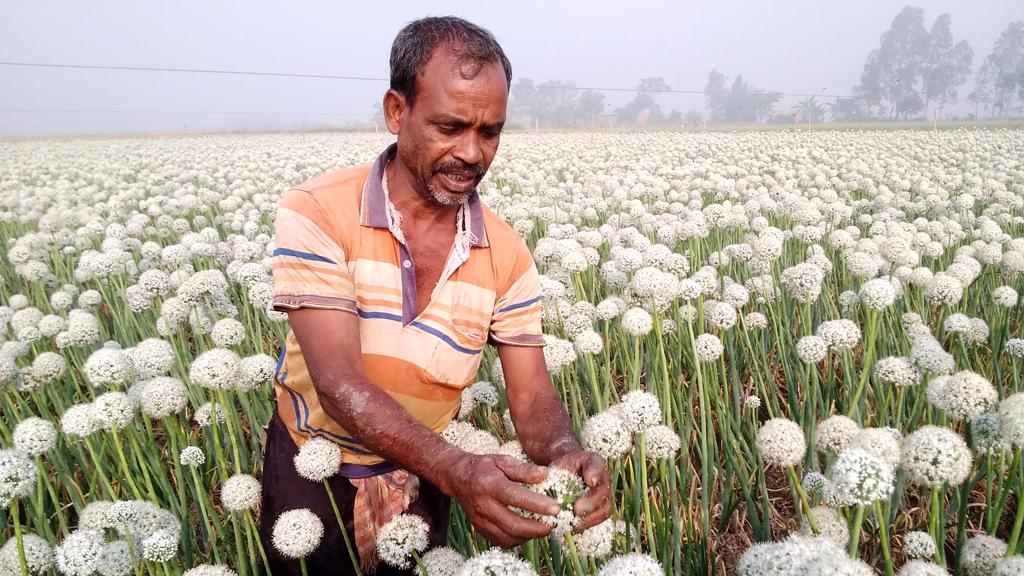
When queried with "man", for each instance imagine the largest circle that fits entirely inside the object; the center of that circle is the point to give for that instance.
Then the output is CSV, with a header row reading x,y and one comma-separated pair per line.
x,y
395,278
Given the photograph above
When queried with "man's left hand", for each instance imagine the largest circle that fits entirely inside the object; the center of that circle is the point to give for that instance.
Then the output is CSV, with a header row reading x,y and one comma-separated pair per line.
x,y
595,506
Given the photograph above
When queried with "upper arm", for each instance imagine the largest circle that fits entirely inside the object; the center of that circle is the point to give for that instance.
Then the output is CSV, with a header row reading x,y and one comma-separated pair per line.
x,y
516,318
309,264
329,340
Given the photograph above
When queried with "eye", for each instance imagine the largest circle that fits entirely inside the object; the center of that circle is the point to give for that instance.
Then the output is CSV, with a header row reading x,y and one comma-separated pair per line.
x,y
449,129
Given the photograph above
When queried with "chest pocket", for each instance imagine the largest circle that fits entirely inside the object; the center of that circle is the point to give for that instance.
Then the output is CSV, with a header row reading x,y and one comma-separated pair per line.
x,y
457,355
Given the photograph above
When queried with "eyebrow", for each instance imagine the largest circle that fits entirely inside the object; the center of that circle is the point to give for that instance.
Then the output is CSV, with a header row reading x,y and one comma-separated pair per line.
x,y
447,119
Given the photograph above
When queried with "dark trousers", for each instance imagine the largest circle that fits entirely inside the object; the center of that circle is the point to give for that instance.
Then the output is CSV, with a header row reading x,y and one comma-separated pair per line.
x,y
284,489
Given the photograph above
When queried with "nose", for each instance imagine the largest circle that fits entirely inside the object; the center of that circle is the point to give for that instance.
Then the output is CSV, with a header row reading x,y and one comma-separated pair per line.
x,y
468,148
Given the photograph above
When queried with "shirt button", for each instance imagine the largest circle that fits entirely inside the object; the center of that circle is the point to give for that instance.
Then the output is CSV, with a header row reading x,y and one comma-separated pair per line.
x,y
406,263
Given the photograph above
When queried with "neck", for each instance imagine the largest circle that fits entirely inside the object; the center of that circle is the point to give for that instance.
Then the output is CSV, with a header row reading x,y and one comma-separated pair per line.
x,y
413,204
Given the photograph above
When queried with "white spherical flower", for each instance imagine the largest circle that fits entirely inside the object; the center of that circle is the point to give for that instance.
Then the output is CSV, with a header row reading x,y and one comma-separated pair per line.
x,y
755,321
192,456
839,334
94,516
896,371
48,366
935,457
479,442
160,546
719,315
786,557
781,442
803,282
565,488
51,325
35,436
227,332
929,357
123,512
80,553
109,367
558,353
513,449
834,565
495,562
215,369
815,484
318,459
79,421
606,434
639,410
637,322
255,371
609,308
963,395
38,555
1011,419
834,434
880,442
589,343
752,402
441,561
400,537
922,568
162,396
830,526
152,357
877,293
943,289
981,554
210,570
632,564
18,475
116,559
919,545
240,493
661,442
1005,296
1014,347
708,347
860,478
113,410
811,349
297,533
1010,566
594,542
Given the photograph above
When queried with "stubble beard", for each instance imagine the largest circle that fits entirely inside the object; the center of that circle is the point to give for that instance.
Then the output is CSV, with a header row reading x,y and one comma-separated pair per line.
x,y
446,198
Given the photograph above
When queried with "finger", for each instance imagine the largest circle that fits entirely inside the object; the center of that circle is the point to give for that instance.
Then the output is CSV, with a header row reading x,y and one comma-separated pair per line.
x,y
493,533
592,500
595,471
521,471
596,517
512,494
513,524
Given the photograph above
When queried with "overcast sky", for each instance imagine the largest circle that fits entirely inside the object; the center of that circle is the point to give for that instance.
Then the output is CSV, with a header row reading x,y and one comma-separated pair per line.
x,y
799,46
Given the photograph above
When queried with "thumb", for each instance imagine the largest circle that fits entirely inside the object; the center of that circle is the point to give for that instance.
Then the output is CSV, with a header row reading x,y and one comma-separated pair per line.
x,y
519,471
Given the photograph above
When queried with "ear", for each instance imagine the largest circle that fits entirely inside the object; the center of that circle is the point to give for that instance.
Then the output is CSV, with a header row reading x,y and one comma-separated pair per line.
x,y
395,108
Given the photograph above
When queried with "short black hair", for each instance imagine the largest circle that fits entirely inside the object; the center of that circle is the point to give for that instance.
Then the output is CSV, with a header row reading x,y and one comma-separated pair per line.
x,y
416,42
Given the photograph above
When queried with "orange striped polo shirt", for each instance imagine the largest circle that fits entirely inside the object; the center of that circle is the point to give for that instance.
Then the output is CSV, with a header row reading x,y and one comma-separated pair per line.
x,y
337,247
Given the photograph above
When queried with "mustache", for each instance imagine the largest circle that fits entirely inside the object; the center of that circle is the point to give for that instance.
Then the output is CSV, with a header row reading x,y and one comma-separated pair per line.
x,y
458,166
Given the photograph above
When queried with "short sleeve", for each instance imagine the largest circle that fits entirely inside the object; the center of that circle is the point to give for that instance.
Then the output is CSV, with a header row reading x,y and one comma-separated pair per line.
x,y
516,318
309,264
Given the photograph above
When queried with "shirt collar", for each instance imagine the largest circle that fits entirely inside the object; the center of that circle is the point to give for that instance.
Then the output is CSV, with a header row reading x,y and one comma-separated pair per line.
x,y
373,206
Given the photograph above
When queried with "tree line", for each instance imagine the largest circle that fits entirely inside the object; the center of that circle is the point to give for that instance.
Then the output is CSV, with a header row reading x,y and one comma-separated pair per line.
x,y
916,72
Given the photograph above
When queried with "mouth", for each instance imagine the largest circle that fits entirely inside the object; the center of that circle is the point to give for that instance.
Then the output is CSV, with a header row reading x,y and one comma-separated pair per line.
x,y
459,182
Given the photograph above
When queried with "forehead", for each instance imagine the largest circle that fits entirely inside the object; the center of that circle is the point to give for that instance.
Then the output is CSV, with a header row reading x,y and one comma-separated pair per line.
x,y
447,83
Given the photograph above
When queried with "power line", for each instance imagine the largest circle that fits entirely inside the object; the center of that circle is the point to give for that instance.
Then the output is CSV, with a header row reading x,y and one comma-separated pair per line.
x,y
365,78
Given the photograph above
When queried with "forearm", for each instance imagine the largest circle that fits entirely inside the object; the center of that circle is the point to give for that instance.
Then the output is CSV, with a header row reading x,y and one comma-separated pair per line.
x,y
387,429
543,426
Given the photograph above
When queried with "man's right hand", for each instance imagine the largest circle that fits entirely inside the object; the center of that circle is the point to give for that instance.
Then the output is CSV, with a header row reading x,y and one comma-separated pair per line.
x,y
487,485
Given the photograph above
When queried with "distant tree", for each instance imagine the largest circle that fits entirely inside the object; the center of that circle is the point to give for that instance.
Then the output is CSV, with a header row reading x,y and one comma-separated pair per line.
x,y
809,110
589,106
892,75
1000,80
644,109
716,95
946,65
847,110
524,100
693,118
556,103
